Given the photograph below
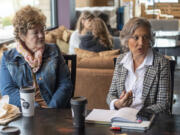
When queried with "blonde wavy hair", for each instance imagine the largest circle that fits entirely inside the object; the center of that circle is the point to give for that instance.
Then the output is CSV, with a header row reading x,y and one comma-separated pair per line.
x,y
100,31
27,18
84,16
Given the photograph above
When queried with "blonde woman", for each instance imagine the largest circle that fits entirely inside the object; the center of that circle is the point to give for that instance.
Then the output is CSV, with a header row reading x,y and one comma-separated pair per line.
x,y
98,39
83,26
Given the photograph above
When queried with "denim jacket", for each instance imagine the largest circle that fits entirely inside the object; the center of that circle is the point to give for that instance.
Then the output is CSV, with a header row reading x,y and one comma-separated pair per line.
x,y
53,77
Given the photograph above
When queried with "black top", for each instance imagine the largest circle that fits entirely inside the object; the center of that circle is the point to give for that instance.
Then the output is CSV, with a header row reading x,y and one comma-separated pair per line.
x,y
90,43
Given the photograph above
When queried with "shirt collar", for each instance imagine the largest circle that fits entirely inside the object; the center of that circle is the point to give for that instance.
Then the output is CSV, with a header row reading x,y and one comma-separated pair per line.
x,y
127,61
149,57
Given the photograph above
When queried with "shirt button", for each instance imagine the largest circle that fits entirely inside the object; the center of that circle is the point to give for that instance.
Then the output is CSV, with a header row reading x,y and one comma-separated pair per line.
x,y
40,78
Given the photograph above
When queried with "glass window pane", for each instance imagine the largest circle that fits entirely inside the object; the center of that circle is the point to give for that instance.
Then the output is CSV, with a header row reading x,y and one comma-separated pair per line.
x,y
167,1
9,7
150,2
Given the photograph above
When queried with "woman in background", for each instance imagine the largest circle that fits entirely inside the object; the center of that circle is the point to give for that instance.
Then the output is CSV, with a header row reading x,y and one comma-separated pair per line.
x,y
83,26
98,39
33,62
142,76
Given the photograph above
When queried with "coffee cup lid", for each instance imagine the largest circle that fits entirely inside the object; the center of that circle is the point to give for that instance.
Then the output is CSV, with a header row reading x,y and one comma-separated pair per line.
x,y
27,89
78,100
10,130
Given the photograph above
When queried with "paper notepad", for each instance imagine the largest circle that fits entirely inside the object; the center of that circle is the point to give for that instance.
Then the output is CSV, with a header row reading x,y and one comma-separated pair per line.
x,y
125,114
100,116
144,125
124,118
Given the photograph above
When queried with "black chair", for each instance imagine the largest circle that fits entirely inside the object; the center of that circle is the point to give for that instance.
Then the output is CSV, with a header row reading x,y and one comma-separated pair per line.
x,y
114,61
71,62
172,69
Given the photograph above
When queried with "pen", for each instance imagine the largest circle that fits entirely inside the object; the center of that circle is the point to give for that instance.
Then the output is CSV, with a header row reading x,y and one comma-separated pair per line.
x,y
139,120
115,128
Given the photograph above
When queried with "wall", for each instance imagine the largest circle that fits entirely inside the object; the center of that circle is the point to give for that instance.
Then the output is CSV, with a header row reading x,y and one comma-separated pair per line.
x,y
63,13
66,12
73,17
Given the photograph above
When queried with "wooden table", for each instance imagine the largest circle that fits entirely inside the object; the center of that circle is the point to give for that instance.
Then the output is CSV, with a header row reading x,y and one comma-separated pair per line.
x,y
59,122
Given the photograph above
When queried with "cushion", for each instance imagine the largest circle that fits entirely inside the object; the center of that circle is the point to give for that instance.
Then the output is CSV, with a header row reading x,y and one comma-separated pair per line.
x,y
64,47
84,53
61,33
88,59
109,53
66,35
50,38
106,62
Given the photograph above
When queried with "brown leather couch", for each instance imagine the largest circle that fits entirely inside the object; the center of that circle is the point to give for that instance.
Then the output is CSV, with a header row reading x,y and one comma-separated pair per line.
x,y
94,76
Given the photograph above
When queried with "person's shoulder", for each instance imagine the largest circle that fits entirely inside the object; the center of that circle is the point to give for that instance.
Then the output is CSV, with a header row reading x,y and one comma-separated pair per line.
x,y
160,58
51,46
121,56
10,54
51,49
10,51
75,33
88,37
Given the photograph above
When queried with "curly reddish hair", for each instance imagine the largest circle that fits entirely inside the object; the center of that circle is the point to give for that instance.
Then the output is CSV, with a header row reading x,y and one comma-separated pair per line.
x,y
27,18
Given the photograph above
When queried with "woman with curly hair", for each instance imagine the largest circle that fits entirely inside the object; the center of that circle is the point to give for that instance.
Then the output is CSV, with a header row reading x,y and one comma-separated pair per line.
x,y
33,62
98,39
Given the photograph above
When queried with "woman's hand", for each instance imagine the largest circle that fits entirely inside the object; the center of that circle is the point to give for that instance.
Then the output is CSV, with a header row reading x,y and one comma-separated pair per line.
x,y
125,100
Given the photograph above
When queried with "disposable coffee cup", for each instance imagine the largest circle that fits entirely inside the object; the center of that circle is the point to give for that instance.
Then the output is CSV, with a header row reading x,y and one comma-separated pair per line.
x,y
78,107
27,97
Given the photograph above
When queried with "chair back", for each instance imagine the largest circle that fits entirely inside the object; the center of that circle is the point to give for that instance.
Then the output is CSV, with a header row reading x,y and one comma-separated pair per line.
x,y
71,62
172,69
114,61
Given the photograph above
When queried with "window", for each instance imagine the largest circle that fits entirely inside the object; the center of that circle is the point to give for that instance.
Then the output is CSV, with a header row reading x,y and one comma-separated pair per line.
x,y
150,2
166,1
9,7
